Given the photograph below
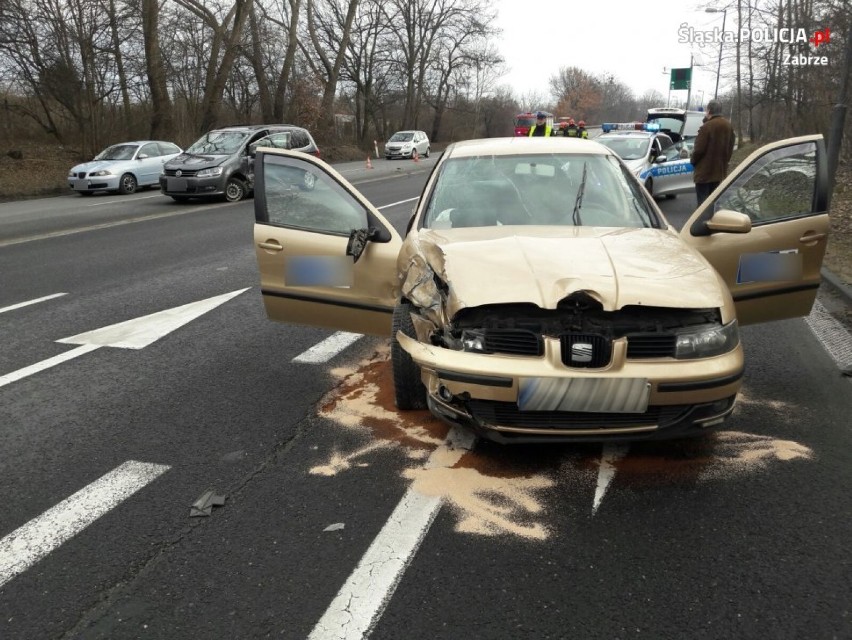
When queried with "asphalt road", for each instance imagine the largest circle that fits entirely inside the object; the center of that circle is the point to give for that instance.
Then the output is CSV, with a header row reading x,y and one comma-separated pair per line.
x,y
743,534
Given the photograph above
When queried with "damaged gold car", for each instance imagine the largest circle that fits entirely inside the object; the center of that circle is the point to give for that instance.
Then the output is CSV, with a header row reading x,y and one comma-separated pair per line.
x,y
539,292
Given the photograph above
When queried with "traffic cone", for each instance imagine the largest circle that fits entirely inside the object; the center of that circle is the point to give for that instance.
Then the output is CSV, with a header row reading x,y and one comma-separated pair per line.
x,y
369,164
415,156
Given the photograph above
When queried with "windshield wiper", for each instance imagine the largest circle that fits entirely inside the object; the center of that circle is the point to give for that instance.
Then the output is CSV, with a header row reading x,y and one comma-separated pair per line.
x,y
575,217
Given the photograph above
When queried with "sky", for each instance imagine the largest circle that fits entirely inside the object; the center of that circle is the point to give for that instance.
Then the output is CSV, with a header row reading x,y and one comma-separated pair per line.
x,y
624,38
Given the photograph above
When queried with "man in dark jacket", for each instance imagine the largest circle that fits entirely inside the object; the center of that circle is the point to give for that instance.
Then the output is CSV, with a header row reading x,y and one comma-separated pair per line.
x,y
712,151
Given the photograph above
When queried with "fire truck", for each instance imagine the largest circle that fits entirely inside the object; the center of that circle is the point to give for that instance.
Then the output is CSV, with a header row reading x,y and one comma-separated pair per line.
x,y
523,122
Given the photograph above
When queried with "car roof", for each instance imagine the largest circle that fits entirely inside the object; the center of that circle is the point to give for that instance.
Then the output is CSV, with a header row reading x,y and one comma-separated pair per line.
x,y
524,145
629,134
257,127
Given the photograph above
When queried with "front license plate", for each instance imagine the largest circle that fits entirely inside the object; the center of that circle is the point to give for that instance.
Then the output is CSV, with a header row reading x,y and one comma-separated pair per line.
x,y
81,184
176,184
595,395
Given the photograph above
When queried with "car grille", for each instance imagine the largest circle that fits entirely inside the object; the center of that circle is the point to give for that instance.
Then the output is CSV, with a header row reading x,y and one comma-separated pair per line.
x,y
529,343
651,345
80,174
507,414
599,355
514,342
184,173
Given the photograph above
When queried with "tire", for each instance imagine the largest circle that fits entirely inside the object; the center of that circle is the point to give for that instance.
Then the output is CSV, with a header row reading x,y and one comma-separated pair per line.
x,y
426,155
180,198
409,391
649,185
127,184
309,181
235,190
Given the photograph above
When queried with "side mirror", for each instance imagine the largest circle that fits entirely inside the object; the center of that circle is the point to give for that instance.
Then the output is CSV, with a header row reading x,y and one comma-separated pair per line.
x,y
358,239
726,221
660,159
142,156
252,150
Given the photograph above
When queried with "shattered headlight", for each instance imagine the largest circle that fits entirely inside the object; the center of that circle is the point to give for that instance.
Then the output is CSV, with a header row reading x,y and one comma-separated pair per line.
x,y
473,341
707,341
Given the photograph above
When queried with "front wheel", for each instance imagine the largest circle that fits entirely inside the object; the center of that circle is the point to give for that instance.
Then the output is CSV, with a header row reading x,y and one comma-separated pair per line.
x,y
409,391
127,184
426,155
235,190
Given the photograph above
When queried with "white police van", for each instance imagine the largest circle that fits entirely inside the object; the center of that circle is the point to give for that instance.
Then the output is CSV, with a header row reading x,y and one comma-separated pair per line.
x,y
659,162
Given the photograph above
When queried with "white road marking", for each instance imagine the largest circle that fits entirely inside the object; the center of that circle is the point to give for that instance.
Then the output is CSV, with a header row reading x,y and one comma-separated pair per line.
x,y
20,374
393,204
361,601
131,334
328,348
611,454
33,541
29,302
100,204
833,335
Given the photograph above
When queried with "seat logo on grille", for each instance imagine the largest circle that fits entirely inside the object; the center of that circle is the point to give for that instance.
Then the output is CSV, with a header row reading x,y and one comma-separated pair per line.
x,y
178,173
581,352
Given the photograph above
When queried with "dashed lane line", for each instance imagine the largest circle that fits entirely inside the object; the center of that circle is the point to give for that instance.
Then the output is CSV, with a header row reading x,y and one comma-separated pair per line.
x,y
33,541
29,302
327,349
361,601
833,335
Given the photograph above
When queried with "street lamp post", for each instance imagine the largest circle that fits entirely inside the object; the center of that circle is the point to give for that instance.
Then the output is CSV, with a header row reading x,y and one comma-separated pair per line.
x,y
721,44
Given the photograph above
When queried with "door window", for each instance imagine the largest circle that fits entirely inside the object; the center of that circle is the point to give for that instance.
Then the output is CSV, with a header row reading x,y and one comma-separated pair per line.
x,y
779,185
151,150
299,195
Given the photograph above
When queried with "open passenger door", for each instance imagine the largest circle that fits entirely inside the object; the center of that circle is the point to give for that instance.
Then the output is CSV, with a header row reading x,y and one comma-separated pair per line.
x,y
765,229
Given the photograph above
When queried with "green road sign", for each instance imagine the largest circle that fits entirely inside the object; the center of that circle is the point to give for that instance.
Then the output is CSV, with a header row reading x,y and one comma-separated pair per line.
x,y
680,78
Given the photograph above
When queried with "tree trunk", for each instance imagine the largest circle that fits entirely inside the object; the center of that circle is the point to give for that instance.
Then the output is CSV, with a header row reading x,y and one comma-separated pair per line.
x,y
212,100
287,65
162,121
264,95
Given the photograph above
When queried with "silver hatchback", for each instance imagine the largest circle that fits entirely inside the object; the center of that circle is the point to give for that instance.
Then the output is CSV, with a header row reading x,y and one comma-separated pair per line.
x,y
123,167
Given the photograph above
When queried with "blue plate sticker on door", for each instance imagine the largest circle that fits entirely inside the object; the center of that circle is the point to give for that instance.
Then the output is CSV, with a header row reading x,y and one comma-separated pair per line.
x,y
318,271
770,266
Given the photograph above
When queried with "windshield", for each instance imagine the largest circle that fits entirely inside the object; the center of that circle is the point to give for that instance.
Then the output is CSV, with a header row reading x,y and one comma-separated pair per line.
x,y
402,136
524,122
219,143
118,152
538,189
627,148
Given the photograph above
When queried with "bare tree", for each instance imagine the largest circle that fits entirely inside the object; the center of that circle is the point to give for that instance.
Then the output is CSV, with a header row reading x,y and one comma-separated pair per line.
x,y
226,35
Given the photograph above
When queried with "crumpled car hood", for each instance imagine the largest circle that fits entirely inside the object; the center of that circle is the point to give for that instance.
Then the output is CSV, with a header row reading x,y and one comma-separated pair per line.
x,y
617,267
196,162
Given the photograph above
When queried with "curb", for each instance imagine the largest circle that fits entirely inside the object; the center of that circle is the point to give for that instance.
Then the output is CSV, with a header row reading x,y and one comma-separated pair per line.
x,y
844,289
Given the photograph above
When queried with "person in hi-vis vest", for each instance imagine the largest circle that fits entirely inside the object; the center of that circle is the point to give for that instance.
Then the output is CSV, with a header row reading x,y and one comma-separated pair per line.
x,y
541,128
571,129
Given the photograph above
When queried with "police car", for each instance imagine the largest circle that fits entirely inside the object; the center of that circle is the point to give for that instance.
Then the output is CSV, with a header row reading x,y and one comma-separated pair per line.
x,y
661,164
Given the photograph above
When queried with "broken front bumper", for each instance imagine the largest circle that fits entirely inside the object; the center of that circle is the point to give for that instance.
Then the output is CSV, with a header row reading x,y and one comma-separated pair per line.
x,y
626,400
